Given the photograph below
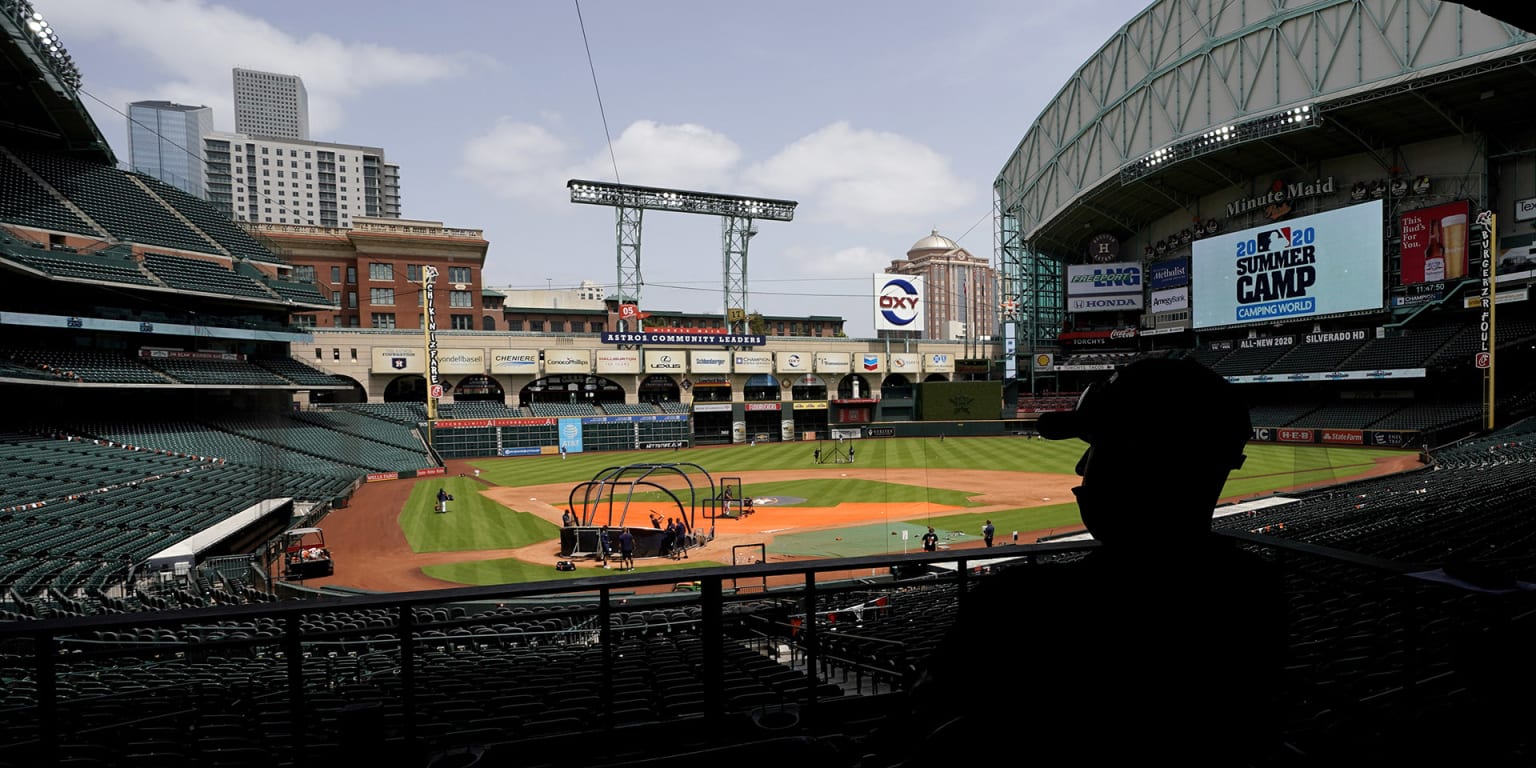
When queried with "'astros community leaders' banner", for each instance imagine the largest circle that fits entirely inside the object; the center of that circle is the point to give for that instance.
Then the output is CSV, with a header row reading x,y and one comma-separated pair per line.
x,y
1316,265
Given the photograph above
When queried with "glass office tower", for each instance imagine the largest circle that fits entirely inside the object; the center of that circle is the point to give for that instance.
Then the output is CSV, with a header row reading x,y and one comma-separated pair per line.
x,y
165,140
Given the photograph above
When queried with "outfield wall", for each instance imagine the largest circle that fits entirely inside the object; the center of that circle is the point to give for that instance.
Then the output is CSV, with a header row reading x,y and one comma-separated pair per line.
x,y
473,438
477,438
968,428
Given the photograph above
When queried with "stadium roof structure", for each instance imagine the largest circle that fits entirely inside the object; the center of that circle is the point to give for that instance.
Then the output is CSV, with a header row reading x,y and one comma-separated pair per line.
x,y
1187,100
1521,15
1068,178
42,104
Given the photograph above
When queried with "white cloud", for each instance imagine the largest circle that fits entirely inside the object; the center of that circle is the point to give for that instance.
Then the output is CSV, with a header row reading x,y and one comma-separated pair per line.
x,y
856,261
195,45
849,177
653,154
517,161
525,161
853,176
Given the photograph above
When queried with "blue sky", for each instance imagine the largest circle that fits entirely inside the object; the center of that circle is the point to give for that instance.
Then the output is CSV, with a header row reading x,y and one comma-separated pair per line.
x,y
883,120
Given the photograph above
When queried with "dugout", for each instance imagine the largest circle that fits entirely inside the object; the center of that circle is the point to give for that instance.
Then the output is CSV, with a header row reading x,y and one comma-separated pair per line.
x,y
241,533
764,421
712,423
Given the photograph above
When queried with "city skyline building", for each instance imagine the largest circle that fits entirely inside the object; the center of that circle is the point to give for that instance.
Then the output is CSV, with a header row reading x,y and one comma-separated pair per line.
x,y
270,104
165,141
290,181
960,290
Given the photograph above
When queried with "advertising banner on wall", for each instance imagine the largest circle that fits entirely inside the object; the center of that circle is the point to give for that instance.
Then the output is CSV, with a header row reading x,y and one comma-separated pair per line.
x,y
399,360
831,362
1525,210
1104,279
1124,301
793,362
689,336
1168,274
618,361
905,362
753,362
1316,265
1171,300
898,302
709,362
1115,337
570,433
666,361
515,361
1434,243
1104,287
567,361
939,362
461,361
871,362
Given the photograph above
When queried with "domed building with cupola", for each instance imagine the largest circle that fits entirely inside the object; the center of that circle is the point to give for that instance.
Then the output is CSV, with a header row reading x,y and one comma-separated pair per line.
x,y
960,290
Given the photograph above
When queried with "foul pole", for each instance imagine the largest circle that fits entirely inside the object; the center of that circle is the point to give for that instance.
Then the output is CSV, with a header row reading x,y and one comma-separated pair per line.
x,y
429,332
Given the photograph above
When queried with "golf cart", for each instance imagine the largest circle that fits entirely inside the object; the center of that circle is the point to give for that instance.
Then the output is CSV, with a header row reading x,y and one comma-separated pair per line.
x,y
305,555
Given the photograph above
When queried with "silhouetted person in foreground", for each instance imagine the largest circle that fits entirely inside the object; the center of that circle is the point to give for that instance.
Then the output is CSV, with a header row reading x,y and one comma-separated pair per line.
x,y
1164,645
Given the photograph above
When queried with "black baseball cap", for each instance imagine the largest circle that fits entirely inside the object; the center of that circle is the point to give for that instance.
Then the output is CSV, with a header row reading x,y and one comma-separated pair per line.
x,y
1164,402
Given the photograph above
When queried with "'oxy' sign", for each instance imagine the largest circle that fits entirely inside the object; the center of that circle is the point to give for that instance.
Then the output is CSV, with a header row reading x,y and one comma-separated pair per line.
x,y
898,300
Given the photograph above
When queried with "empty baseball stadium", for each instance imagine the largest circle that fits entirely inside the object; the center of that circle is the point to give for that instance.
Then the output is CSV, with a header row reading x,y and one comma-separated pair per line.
x,y
173,429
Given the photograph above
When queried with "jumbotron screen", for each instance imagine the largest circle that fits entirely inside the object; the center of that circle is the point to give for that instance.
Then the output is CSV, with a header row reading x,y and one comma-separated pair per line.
x,y
1316,265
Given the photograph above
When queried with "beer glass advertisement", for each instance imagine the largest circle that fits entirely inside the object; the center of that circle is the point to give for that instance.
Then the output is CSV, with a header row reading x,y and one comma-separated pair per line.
x,y
1434,243
1316,265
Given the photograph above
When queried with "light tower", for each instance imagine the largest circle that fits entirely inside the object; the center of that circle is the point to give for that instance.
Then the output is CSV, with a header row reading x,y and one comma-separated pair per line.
x,y
736,213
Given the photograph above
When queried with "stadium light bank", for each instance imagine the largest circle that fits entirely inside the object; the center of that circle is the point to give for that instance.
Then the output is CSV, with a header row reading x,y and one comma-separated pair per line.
x,y
682,201
1285,121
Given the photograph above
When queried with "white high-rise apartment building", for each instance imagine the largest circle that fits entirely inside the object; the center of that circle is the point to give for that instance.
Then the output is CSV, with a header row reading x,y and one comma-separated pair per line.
x,y
291,181
270,104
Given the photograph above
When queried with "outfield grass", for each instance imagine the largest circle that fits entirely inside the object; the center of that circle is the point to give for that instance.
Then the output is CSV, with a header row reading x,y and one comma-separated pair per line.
x,y
472,521
509,570
836,490
902,453
475,523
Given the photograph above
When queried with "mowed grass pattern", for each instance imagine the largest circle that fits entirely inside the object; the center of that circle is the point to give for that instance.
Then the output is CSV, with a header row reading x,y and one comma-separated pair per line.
x,y
475,523
472,521
836,490
1002,453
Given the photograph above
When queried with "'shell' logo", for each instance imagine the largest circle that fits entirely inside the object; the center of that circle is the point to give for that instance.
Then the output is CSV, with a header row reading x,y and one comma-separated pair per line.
x,y
898,302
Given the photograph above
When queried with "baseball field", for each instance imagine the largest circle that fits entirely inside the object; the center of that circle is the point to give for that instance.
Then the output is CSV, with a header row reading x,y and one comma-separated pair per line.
x,y
504,523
